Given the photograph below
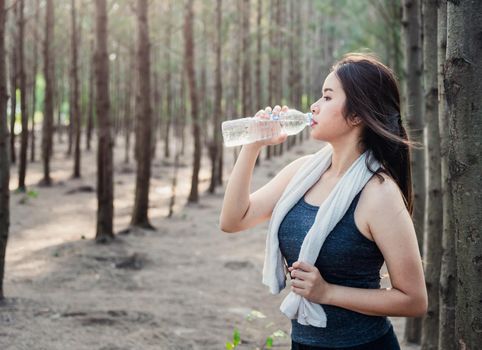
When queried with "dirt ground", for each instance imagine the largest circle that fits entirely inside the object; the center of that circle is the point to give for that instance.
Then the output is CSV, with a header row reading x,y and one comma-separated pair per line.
x,y
186,285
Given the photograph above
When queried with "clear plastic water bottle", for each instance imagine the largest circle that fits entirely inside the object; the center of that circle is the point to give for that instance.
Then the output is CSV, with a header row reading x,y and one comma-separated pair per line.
x,y
242,131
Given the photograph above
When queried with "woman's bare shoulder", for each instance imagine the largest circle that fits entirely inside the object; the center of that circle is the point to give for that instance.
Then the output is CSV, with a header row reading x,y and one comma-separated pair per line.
x,y
382,195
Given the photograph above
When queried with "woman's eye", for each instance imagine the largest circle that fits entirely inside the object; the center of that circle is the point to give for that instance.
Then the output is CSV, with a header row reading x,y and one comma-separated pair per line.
x,y
327,98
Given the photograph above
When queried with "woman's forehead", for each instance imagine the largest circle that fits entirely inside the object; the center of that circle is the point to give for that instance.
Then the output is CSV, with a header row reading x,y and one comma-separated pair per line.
x,y
332,82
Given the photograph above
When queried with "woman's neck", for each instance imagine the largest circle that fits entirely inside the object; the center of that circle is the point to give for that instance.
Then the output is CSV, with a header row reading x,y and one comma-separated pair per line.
x,y
344,154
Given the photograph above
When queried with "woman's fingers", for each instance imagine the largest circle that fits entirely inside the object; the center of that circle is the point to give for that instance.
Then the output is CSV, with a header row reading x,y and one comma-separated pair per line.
x,y
276,109
284,108
259,113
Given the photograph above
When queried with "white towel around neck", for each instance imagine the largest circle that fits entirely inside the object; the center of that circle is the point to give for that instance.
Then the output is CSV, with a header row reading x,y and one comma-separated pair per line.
x,y
329,214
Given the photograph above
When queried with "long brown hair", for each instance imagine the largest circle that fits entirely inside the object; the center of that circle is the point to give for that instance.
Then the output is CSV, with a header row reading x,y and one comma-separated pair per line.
x,y
372,94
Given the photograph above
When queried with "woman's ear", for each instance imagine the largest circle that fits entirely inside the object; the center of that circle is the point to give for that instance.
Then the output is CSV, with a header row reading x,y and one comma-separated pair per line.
x,y
356,120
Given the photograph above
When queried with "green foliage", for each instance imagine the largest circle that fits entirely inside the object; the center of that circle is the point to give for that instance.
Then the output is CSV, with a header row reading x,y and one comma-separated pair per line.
x,y
26,196
235,341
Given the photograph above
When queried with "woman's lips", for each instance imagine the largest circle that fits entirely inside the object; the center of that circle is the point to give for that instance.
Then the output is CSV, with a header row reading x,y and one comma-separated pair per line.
x,y
313,123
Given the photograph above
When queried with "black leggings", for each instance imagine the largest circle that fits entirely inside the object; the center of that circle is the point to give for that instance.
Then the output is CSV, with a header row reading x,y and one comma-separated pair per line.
x,y
386,342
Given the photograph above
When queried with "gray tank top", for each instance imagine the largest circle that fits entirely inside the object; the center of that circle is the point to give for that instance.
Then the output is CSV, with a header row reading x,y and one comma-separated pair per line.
x,y
346,258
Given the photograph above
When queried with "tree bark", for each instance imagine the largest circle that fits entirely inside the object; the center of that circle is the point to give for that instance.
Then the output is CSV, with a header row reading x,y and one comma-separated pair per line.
x,y
448,272
75,114
245,56
4,152
47,128
22,169
168,84
90,117
34,80
144,116
433,220
216,145
191,76
414,117
463,88
128,105
105,190
13,86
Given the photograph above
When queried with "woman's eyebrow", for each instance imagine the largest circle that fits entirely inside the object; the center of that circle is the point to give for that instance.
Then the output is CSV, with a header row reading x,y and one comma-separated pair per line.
x,y
328,89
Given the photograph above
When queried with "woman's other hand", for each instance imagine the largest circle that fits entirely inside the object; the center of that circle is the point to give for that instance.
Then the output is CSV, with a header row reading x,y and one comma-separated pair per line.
x,y
306,281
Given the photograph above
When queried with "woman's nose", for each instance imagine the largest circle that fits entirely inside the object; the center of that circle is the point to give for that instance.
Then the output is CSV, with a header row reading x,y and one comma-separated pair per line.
x,y
314,108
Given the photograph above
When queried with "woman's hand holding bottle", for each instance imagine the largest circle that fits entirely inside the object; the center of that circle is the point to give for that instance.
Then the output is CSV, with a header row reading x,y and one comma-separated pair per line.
x,y
272,128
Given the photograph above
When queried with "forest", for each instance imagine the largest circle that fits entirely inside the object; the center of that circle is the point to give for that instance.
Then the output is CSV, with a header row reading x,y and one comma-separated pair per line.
x,y
113,167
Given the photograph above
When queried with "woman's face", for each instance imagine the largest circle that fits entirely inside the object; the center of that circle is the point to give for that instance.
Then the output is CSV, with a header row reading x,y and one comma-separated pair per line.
x,y
328,112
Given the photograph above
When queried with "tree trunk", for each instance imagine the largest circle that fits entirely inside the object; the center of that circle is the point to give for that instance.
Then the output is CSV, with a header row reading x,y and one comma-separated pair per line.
x,y
105,190
280,83
415,123
295,55
47,128
128,106
272,63
433,221
13,87
34,80
90,118
191,76
463,88
22,169
246,53
168,84
75,114
448,263
4,153
144,116
216,143
182,108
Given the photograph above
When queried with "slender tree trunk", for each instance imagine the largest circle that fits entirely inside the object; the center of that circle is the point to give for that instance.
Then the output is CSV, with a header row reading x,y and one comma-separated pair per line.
x,y
216,145
203,95
34,79
13,86
168,83
414,116
105,187
272,63
90,118
433,221
47,129
295,55
182,108
60,99
22,169
448,273
191,76
463,88
4,154
247,109
144,116
128,106
75,116
280,81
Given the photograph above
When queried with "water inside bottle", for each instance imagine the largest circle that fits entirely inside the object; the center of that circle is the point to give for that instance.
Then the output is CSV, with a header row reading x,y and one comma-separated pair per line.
x,y
234,135
292,127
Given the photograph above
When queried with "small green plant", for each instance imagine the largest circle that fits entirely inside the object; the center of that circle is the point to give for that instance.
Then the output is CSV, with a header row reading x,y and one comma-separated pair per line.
x,y
269,340
32,194
236,341
26,196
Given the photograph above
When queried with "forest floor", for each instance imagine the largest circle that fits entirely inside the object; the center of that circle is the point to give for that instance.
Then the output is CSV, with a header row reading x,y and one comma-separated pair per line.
x,y
186,285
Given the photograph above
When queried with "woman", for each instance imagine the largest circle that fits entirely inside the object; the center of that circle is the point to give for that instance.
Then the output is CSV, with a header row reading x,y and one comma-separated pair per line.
x,y
359,110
